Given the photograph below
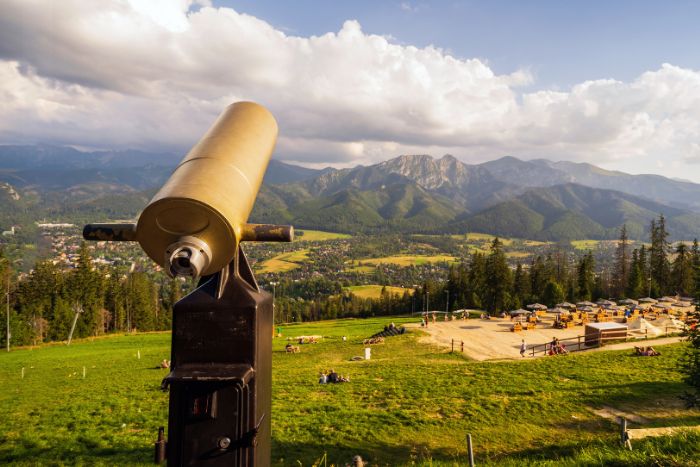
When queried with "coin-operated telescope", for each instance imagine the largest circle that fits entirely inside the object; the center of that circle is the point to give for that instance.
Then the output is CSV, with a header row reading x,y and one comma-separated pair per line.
x,y
221,365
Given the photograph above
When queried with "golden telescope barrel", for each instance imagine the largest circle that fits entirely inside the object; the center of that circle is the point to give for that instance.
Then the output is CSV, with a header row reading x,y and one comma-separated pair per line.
x,y
194,224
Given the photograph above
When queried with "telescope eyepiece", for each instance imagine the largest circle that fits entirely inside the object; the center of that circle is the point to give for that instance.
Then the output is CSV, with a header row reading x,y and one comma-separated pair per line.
x,y
189,256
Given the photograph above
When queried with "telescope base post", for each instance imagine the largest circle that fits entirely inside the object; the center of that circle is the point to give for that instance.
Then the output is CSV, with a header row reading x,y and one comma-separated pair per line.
x,y
221,372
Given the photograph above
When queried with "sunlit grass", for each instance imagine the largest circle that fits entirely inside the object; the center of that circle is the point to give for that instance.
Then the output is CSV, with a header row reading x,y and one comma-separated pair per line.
x,y
318,236
284,262
411,403
375,291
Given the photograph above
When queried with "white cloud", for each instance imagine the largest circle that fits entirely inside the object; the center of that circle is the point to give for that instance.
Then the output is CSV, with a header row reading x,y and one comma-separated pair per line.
x,y
147,74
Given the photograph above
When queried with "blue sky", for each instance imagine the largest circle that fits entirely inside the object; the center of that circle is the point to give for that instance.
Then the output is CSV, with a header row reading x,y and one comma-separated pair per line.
x,y
615,84
562,42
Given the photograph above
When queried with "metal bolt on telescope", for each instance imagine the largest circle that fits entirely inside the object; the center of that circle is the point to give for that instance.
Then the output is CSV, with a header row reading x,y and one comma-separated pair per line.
x,y
221,362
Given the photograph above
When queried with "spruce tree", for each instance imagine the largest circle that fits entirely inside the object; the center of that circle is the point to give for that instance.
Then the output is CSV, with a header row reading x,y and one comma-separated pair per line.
x,y
521,286
658,257
586,277
498,279
477,280
621,268
682,274
538,278
635,281
553,294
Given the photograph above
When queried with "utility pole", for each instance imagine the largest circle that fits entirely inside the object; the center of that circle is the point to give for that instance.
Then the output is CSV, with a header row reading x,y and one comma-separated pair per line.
x,y
7,302
427,301
78,308
447,303
273,284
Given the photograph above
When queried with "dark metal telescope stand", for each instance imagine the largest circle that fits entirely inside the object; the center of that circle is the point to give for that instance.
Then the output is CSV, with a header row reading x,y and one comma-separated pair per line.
x,y
221,372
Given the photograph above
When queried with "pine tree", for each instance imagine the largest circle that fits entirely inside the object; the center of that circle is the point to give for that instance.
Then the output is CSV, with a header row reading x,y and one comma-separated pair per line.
x,y
695,259
621,279
658,257
586,277
538,278
553,294
521,286
498,279
635,281
477,280
682,274
84,290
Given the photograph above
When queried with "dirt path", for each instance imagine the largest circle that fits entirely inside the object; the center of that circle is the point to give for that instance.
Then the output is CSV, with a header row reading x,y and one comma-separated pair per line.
x,y
493,340
639,433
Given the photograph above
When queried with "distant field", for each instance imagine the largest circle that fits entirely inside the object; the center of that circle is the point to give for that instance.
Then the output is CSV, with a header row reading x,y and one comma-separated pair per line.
x,y
361,269
318,236
517,254
411,404
585,244
374,291
284,262
408,260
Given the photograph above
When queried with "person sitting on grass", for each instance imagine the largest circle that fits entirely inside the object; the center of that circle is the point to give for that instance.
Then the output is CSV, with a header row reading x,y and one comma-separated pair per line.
x,y
562,349
333,377
323,379
554,346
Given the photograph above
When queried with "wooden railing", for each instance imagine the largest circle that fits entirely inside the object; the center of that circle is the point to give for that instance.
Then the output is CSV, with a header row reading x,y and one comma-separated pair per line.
x,y
578,343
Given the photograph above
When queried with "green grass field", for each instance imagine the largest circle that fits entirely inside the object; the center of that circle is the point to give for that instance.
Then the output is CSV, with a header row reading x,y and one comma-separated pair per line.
x,y
374,291
411,404
318,236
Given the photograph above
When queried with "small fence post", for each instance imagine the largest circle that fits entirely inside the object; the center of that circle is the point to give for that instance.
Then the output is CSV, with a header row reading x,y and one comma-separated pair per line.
x,y
453,346
470,450
624,435
462,347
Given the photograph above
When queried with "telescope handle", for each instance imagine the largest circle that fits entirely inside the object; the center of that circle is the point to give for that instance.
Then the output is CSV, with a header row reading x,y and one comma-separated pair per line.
x,y
249,233
267,233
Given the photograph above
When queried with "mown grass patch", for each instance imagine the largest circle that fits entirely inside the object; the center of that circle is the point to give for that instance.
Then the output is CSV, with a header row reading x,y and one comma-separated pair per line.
x,y
518,254
411,403
318,236
375,291
585,244
284,262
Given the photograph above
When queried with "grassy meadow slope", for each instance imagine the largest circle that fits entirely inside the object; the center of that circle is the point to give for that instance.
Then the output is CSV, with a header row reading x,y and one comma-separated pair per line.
x,y
410,404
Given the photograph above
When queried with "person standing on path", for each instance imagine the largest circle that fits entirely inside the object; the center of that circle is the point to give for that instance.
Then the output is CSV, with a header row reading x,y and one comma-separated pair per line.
x,y
523,348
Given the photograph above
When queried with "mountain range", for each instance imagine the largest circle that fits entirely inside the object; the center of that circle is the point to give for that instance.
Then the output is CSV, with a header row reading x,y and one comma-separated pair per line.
x,y
537,199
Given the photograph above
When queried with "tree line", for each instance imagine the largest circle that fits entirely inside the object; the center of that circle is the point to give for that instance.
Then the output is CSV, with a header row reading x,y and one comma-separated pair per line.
x,y
44,304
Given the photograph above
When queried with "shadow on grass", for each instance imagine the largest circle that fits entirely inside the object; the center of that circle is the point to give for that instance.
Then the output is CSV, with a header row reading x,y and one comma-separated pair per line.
x,y
292,453
76,454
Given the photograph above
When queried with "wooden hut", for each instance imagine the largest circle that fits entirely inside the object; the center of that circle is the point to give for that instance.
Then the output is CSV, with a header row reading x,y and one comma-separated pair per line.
x,y
597,333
